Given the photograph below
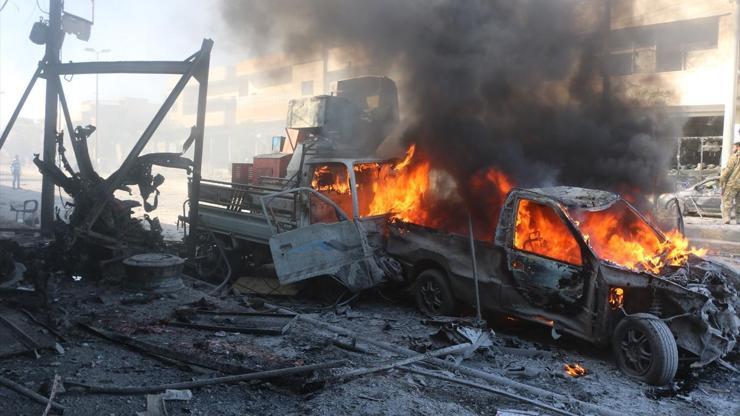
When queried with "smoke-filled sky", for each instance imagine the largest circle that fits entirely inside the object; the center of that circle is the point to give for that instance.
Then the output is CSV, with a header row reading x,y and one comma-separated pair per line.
x,y
485,83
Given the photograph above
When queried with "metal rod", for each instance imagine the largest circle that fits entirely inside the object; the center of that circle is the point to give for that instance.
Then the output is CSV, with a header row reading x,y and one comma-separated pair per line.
x,y
478,315
408,360
121,67
65,108
200,126
19,107
237,329
30,394
168,354
489,389
206,382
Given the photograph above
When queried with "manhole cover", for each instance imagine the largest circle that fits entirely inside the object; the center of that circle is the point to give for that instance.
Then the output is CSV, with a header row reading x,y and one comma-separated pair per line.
x,y
153,272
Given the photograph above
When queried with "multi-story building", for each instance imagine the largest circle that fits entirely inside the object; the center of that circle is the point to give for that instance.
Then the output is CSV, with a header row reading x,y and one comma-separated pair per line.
x,y
676,53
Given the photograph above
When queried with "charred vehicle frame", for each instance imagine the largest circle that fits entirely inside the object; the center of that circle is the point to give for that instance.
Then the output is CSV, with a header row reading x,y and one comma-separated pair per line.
x,y
645,317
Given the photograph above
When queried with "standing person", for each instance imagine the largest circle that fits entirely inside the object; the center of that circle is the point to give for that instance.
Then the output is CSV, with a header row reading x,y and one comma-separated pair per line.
x,y
729,180
15,170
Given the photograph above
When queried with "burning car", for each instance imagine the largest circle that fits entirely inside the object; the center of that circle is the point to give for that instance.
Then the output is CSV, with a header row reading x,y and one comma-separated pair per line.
x,y
588,264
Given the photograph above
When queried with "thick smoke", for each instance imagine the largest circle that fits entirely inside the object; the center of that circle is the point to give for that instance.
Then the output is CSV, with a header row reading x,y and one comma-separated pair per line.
x,y
503,83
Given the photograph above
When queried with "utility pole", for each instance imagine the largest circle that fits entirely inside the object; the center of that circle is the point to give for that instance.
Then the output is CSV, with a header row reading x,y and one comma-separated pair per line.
x,y
54,39
728,133
97,102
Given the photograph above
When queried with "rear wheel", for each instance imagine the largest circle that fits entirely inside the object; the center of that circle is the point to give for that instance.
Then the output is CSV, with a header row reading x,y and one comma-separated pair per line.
x,y
433,294
645,349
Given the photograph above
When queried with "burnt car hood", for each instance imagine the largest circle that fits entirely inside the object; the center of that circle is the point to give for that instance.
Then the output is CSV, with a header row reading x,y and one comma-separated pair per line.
x,y
703,299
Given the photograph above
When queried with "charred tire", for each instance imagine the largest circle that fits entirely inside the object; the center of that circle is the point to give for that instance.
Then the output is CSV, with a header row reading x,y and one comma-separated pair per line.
x,y
433,294
645,349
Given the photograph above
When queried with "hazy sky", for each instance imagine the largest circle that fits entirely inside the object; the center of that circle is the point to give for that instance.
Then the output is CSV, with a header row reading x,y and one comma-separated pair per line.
x,y
131,29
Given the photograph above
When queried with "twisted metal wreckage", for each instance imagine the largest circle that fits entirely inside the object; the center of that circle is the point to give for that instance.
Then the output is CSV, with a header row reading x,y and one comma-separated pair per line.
x,y
100,220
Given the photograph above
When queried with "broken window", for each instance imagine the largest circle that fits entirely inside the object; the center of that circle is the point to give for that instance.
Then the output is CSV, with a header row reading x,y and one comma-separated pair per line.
x,y
331,180
540,230
619,235
673,46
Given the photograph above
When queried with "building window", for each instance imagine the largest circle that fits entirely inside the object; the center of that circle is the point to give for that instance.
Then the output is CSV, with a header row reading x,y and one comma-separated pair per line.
x,y
272,77
661,48
307,88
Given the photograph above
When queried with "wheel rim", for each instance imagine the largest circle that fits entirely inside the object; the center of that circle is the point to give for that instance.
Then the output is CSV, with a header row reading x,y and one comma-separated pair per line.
x,y
431,294
637,355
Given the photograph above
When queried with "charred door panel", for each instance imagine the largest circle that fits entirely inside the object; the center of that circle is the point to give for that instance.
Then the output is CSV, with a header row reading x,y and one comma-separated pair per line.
x,y
545,282
338,249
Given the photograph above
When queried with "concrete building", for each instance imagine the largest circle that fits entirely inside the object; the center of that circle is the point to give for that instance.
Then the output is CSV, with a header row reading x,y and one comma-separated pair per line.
x,y
677,54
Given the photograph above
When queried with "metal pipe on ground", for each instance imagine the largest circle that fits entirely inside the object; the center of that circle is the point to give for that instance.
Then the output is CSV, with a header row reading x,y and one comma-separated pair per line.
x,y
471,372
89,388
30,394
488,389
395,364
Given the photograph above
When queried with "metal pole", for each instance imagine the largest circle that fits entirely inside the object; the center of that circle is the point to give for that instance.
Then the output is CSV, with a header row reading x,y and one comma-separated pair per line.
x,y
97,103
53,45
200,125
478,315
19,107
728,133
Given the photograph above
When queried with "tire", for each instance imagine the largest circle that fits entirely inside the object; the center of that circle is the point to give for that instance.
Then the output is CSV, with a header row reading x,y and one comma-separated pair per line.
x,y
433,294
645,349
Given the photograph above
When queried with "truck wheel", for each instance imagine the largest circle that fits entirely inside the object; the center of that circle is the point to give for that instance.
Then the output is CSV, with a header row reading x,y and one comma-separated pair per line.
x,y
645,349
433,293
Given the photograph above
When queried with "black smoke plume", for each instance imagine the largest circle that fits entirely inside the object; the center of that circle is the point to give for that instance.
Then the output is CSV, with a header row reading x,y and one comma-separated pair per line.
x,y
513,84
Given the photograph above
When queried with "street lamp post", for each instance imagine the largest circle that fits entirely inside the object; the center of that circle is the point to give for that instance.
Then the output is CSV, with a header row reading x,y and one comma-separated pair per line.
x,y
97,53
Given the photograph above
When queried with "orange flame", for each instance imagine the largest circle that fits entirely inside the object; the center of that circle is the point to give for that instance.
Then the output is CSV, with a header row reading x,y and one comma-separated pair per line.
x,y
616,297
330,179
541,231
618,235
575,370
400,190
406,192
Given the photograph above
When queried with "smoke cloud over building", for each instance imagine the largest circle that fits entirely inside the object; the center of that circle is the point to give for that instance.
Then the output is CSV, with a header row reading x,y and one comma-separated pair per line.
x,y
513,85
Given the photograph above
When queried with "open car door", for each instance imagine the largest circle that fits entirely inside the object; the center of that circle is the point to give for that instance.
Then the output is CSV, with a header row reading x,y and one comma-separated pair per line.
x,y
545,257
330,244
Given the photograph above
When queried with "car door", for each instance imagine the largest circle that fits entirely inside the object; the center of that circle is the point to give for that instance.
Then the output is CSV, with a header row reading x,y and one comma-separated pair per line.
x,y
334,246
708,197
546,258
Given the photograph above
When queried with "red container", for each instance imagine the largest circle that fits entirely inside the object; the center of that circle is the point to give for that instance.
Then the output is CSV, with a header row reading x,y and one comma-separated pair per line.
x,y
274,165
242,173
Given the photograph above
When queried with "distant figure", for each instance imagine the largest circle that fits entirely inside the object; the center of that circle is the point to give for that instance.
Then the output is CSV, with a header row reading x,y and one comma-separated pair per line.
x,y
729,180
15,170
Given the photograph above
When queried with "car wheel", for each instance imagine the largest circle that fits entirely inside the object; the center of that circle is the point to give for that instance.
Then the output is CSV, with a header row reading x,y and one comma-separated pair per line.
x,y
645,349
433,294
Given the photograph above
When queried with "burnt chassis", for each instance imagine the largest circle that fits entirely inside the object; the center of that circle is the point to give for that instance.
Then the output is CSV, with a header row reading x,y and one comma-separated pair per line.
x,y
570,299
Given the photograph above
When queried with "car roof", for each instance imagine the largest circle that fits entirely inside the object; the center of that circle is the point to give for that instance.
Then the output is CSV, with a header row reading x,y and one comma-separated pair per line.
x,y
574,197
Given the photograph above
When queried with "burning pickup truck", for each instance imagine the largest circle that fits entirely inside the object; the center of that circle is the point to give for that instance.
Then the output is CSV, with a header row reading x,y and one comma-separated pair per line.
x,y
582,261
586,263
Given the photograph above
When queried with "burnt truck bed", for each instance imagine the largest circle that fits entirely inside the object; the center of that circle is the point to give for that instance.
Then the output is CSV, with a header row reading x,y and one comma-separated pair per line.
x,y
420,248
